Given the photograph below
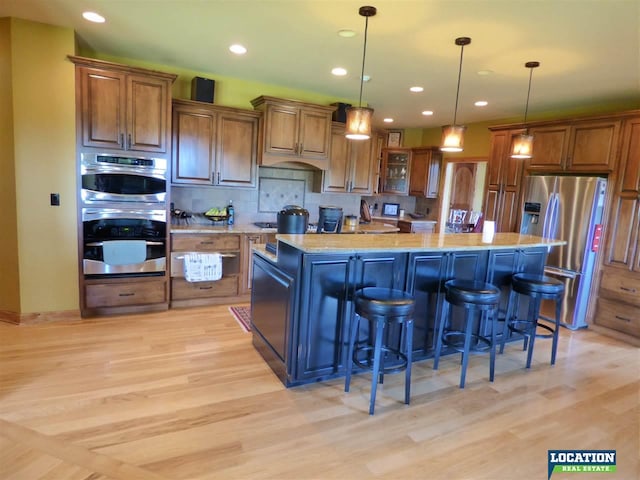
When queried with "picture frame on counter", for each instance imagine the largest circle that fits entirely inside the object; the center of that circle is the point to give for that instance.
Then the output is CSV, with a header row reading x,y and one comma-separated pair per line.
x,y
390,209
394,139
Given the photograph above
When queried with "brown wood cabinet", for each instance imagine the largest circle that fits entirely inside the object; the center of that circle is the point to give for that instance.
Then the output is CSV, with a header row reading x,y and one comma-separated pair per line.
x,y
188,294
351,164
122,108
587,146
126,295
504,180
425,172
214,145
293,131
395,170
618,306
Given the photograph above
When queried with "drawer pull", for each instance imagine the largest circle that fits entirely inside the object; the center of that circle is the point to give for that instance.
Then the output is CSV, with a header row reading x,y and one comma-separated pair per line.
x,y
627,289
206,288
206,243
126,294
628,320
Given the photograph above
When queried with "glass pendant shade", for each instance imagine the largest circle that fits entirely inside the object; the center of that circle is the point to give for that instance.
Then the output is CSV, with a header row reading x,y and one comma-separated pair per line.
x,y
522,146
358,125
452,138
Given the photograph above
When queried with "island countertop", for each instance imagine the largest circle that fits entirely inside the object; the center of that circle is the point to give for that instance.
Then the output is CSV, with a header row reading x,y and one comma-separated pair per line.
x,y
412,242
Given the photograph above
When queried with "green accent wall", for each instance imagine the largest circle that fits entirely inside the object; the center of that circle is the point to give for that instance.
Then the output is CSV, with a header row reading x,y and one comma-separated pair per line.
x,y
40,159
9,284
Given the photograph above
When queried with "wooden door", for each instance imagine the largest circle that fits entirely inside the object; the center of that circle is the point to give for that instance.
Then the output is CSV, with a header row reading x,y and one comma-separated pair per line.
x,y
592,147
336,177
463,185
147,106
315,132
236,150
549,148
193,158
103,108
361,160
281,130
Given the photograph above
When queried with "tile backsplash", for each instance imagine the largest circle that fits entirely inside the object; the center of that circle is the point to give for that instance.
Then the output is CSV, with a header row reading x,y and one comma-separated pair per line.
x,y
277,187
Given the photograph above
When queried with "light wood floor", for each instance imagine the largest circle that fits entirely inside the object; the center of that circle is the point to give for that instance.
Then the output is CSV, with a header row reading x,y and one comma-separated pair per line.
x,y
183,395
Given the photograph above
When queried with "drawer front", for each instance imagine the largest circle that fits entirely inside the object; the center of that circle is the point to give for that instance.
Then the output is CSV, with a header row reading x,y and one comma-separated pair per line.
x,y
123,294
423,227
624,286
617,316
205,243
183,290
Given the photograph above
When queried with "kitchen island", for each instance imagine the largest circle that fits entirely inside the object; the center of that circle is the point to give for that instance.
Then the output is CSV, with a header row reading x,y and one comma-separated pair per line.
x,y
301,298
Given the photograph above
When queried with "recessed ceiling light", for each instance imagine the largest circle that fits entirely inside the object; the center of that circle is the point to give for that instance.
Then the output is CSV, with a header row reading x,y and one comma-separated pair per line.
x,y
416,89
339,71
427,112
238,49
93,17
485,72
388,120
481,103
346,33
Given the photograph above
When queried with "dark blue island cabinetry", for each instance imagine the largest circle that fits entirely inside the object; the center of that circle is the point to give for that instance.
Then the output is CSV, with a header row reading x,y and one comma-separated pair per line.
x,y
302,298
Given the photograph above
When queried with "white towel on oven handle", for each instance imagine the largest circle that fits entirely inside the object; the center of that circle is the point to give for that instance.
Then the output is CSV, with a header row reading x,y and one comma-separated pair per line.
x,y
202,267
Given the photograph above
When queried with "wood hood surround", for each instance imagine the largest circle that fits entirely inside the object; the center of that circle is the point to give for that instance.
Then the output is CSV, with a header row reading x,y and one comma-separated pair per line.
x,y
293,132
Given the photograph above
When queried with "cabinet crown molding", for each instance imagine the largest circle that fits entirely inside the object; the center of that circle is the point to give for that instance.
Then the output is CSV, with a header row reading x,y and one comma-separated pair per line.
x,y
103,64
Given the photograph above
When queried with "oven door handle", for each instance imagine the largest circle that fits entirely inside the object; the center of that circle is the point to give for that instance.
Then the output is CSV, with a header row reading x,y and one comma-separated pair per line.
x,y
101,244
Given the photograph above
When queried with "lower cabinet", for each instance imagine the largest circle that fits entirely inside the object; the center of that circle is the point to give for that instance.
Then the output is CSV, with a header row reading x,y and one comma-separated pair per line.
x,y
126,295
326,292
189,294
302,305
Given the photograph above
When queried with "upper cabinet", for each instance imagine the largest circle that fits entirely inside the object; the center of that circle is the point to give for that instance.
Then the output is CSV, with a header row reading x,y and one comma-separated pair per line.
x,y
504,179
214,145
351,164
395,170
294,131
122,108
587,146
425,172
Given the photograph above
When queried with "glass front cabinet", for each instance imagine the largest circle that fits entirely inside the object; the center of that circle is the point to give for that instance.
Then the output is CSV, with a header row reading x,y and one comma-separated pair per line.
x,y
396,166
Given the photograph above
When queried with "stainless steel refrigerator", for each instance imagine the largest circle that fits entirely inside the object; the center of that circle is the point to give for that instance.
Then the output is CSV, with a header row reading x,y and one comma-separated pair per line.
x,y
567,208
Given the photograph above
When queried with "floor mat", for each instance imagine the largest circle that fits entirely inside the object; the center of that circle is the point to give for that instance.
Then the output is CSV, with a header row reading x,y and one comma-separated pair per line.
x,y
242,316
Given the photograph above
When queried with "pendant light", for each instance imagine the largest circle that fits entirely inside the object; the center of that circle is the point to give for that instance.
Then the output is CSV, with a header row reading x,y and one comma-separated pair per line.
x,y
359,118
523,143
453,135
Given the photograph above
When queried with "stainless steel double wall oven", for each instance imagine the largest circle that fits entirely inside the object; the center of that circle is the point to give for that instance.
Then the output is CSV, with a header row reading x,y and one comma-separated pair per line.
x,y
124,215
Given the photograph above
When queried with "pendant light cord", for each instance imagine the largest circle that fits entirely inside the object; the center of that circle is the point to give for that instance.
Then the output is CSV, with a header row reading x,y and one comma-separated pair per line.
x,y
364,54
526,108
455,111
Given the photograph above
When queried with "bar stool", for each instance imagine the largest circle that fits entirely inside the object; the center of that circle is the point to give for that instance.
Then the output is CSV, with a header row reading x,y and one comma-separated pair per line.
x,y
473,296
382,307
537,288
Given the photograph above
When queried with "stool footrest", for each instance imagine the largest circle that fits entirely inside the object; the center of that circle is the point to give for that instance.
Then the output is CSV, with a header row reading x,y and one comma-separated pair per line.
x,y
367,364
481,345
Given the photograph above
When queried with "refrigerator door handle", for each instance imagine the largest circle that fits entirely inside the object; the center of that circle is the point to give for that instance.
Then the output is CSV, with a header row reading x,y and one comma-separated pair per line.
x,y
547,217
553,221
560,272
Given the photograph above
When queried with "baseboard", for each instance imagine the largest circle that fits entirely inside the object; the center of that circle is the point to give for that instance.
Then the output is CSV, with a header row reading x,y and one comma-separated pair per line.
x,y
38,317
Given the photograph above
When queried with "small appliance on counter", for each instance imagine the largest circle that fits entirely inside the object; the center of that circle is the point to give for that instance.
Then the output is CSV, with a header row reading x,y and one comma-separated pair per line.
x,y
330,219
293,219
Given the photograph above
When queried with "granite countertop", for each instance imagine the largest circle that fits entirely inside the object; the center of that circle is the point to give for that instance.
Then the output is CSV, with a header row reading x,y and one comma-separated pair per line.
x,y
250,228
408,242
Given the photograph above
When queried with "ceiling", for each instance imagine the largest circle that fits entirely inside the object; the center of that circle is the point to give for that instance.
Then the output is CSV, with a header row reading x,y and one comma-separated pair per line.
x,y
589,50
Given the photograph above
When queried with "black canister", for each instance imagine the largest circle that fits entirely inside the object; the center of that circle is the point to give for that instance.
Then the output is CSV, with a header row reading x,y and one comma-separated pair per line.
x,y
293,219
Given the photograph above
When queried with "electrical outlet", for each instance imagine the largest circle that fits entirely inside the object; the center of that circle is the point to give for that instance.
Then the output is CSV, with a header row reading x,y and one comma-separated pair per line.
x,y
55,199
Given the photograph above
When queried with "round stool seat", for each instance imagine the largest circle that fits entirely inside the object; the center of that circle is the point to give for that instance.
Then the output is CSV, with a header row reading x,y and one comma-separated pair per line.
x,y
383,301
460,292
529,284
